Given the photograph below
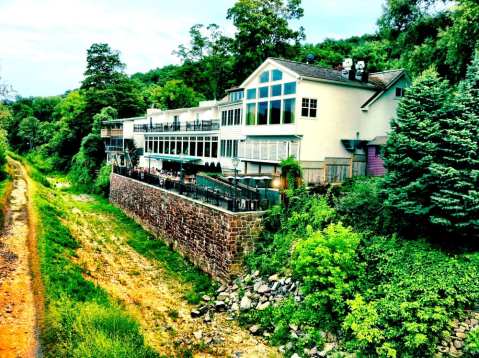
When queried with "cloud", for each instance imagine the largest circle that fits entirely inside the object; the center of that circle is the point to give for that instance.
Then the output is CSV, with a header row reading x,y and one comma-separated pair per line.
x,y
41,36
43,43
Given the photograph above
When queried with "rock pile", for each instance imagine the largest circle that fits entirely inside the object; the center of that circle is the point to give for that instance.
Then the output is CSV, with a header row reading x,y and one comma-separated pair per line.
x,y
253,292
454,344
249,292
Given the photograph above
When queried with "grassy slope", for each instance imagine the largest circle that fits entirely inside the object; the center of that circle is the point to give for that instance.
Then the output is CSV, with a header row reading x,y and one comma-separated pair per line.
x,y
81,320
175,266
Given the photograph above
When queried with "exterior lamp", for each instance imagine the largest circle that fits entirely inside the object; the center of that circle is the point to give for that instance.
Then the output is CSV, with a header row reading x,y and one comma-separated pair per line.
x,y
276,183
235,161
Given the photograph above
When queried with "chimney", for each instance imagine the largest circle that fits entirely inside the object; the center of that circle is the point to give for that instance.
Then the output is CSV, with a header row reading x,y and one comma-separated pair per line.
x,y
348,68
362,73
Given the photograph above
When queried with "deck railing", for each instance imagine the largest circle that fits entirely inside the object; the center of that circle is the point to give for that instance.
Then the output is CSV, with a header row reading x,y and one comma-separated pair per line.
x,y
226,200
194,126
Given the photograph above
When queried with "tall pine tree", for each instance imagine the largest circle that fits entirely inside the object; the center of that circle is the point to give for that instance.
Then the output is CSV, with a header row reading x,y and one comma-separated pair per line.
x,y
432,156
456,200
412,147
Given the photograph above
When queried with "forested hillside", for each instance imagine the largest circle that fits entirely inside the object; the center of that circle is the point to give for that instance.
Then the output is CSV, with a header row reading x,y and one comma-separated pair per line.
x,y
411,34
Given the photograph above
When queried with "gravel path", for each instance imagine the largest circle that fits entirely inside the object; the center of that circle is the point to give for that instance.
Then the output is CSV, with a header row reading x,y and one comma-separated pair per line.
x,y
18,313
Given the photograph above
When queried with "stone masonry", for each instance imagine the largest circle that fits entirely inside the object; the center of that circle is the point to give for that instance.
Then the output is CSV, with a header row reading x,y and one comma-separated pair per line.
x,y
214,239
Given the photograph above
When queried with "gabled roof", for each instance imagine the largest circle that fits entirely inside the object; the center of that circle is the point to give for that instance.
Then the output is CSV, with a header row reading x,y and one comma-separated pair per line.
x,y
385,79
377,80
313,71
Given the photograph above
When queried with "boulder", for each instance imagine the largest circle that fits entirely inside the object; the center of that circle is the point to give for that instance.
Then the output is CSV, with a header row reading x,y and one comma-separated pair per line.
x,y
273,278
245,303
220,306
263,289
263,306
254,329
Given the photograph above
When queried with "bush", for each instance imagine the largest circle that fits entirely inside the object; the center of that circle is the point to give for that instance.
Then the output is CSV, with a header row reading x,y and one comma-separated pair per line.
x,y
411,291
284,226
102,182
3,147
86,162
360,204
327,264
277,319
472,342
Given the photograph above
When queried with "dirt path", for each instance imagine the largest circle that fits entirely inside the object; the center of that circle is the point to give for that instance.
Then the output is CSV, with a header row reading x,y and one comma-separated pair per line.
x,y
18,313
152,297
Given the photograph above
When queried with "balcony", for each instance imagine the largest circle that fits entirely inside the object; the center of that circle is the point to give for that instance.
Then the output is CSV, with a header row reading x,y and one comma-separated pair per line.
x,y
193,126
111,132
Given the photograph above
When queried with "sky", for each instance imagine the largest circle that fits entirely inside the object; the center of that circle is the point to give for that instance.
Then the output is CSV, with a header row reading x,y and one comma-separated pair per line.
x,y
43,43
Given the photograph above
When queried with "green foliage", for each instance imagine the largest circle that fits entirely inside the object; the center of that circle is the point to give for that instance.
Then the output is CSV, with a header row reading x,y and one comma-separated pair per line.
x,y
106,114
102,182
87,161
285,226
431,158
411,292
277,319
174,94
472,342
29,130
326,262
32,171
3,147
262,31
360,204
291,173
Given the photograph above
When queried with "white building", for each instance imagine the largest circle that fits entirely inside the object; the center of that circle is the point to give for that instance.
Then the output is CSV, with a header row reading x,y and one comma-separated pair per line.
x,y
323,117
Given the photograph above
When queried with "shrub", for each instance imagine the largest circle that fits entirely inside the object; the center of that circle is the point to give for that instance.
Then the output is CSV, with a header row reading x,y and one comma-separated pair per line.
x,y
87,161
472,342
3,147
278,318
327,264
360,204
284,226
102,182
411,293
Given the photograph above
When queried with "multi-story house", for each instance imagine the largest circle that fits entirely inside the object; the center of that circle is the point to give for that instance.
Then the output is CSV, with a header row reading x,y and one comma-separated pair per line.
x,y
323,117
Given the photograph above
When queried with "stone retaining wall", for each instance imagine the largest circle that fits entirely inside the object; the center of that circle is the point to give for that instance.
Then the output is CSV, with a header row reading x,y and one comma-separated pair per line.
x,y
212,238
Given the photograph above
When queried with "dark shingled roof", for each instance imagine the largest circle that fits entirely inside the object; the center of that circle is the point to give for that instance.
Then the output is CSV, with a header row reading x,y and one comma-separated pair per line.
x,y
379,80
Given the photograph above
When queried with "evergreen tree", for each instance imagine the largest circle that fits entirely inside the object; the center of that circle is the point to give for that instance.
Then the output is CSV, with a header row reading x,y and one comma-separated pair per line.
x,y
411,148
432,156
456,201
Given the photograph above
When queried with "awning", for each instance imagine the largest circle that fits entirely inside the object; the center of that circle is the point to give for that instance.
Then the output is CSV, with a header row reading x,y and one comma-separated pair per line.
x,y
173,158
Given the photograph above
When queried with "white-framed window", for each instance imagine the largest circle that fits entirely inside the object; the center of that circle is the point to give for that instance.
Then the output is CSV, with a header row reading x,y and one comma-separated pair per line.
x,y
309,107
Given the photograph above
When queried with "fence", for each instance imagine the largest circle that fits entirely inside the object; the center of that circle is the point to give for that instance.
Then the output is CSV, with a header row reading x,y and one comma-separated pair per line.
x,y
192,126
229,201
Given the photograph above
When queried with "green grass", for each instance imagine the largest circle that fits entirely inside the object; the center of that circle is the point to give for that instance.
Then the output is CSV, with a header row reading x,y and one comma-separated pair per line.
x,y
148,246
81,320
5,187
